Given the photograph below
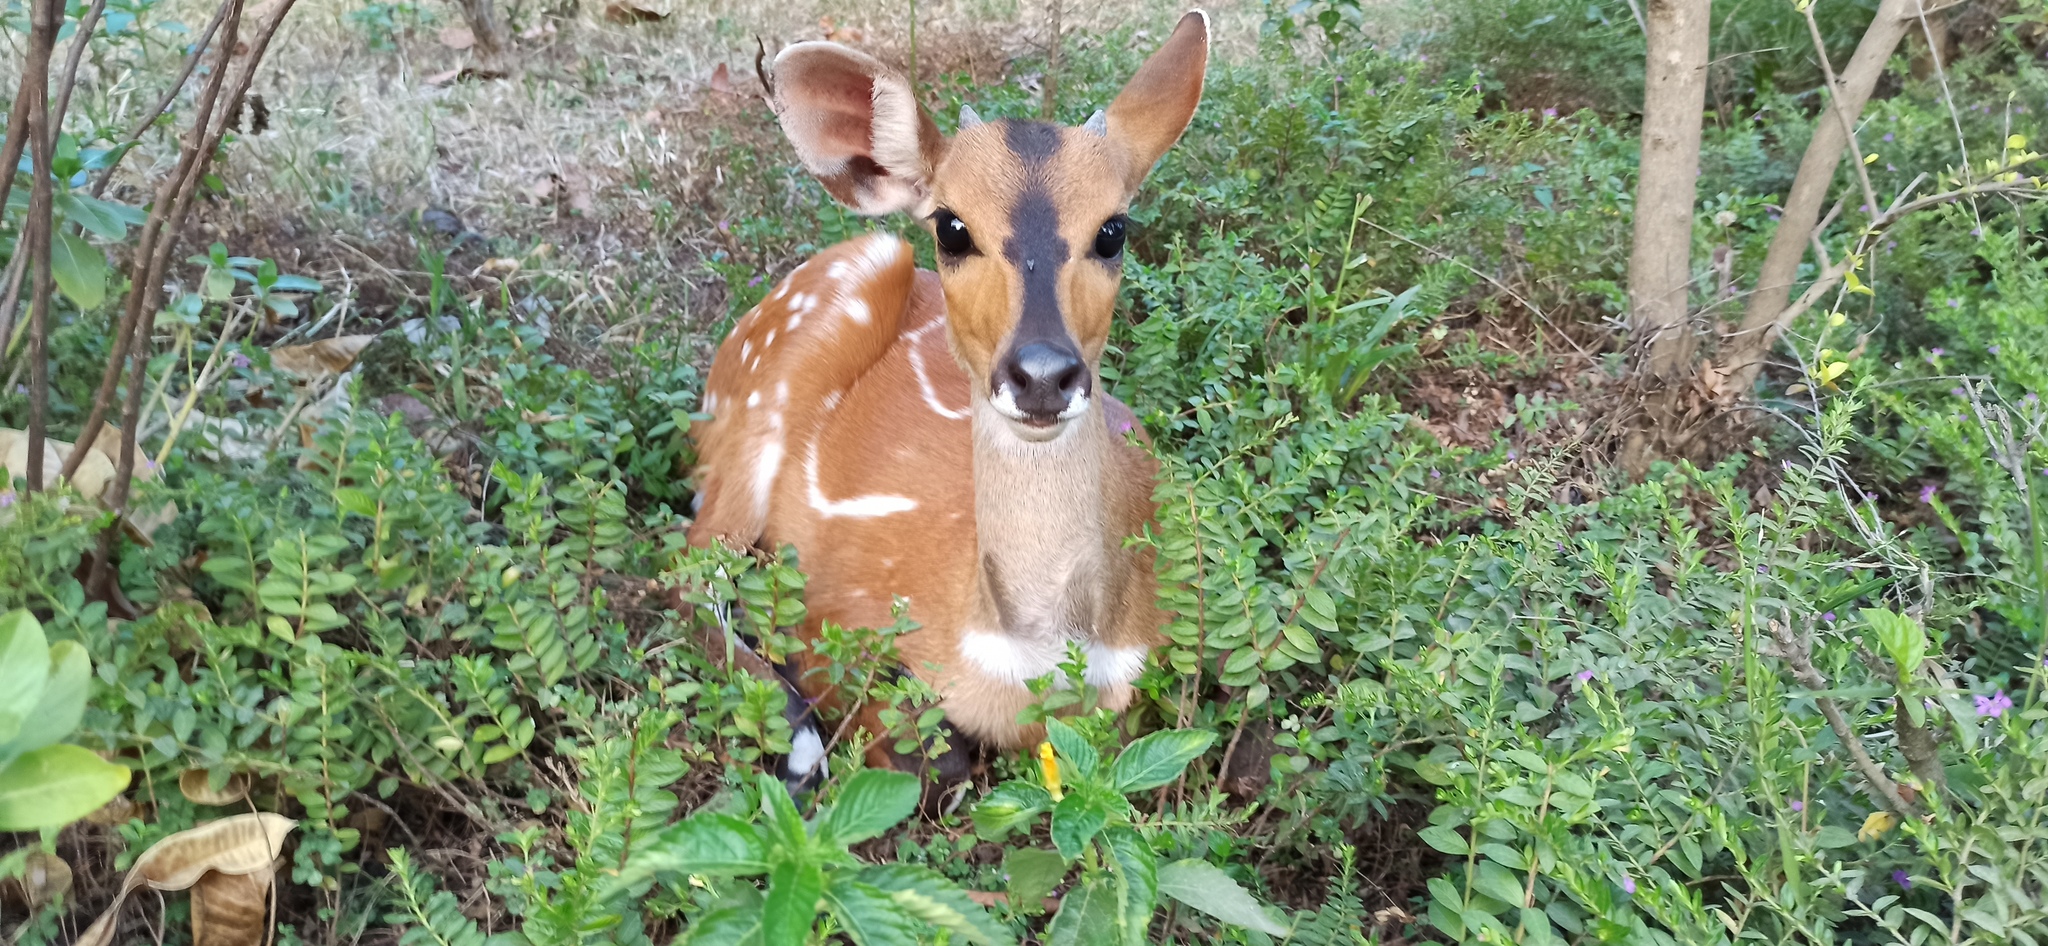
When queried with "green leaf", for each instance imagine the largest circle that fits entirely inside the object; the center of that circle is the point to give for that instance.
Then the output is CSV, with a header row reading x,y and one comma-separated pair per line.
x,y
1203,886
706,843
288,283
1075,822
1087,917
1033,873
56,785
1137,882
873,801
1157,759
97,216
731,926
868,915
937,901
1072,747
62,704
780,811
1008,806
24,670
1497,882
795,885
80,270
1536,929
1446,839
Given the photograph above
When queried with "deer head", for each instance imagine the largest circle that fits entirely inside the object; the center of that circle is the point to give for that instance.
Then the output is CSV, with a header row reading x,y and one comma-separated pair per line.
x,y
1028,217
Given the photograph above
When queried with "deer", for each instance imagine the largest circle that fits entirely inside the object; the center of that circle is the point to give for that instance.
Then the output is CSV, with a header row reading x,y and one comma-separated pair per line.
x,y
943,436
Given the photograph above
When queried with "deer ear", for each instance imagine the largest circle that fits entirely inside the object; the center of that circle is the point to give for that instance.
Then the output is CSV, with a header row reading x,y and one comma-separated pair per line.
x,y
857,127
1153,109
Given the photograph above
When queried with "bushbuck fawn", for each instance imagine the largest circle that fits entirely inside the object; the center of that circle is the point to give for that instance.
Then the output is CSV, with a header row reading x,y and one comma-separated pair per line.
x,y
944,436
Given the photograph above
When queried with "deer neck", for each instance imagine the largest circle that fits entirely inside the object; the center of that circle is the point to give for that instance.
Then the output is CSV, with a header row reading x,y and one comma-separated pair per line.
x,y
1040,521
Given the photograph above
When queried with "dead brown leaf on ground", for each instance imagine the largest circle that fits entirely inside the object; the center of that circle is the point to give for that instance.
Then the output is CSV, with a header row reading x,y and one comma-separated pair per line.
x,y
322,359
628,11
457,37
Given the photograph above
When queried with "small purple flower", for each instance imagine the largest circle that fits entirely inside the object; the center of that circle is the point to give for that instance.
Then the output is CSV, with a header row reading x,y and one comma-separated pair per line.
x,y
239,361
1959,392
1585,676
1436,474
751,283
1936,352
2031,398
1828,617
1955,303
6,498
1124,427
1560,548
1798,805
1887,136
1899,877
1628,884
1512,455
1991,349
1762,570
725,226
1869,497
1550,113
1927,494
1994,705
21,389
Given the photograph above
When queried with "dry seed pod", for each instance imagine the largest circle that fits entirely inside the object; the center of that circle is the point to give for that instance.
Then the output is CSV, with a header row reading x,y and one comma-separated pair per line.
x,y
230,909
242,844
197,787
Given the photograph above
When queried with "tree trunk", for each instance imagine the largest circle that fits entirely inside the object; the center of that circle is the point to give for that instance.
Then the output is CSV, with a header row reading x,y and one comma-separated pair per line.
x,y
1660,261
1743,356
485,27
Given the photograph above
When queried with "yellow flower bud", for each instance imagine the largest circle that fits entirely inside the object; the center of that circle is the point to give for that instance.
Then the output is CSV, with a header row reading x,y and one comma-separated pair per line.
x,y
1050,768
1876,825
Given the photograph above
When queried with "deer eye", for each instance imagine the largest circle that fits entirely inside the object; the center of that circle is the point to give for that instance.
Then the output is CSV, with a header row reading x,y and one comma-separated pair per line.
x,y
1109,241
951,233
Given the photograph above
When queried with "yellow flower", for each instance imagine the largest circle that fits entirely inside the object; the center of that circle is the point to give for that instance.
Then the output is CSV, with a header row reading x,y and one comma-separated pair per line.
x,y
1876,825
2016,142
1050,767
1829,372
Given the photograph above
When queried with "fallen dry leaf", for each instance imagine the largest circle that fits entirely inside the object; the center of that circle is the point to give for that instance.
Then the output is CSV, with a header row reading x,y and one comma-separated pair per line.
x,y
457,37
721,80
93,474
197,787
238,845
499,266
321,359
538,30
630,11
43,878
835,33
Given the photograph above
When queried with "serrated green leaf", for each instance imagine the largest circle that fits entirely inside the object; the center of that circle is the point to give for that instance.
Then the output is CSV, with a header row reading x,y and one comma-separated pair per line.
x,y
873,801
938,901
868,915
1075,821
1157,759
1073,748
1087,917
780,813
795,886
731,926
1033,873
706,843
1008,806
1205,887
1137,882
56,785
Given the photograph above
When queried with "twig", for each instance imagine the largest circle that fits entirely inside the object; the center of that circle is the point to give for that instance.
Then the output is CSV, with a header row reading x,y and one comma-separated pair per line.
x,y
170,95
86,25
1497,284
1798,655
1827,69
35,80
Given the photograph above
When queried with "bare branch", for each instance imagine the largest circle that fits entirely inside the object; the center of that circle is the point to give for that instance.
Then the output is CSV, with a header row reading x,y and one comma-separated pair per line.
x,y
1797,653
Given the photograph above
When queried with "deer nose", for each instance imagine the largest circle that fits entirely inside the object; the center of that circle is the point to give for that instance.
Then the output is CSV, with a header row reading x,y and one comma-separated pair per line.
x,y
1044,378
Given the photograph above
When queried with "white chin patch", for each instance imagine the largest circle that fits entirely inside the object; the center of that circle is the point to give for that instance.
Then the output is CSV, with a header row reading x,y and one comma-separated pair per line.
x,y
806,752
1005,403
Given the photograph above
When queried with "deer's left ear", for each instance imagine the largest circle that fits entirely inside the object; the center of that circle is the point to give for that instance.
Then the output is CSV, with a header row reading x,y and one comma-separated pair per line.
x,y
857,127
1153,109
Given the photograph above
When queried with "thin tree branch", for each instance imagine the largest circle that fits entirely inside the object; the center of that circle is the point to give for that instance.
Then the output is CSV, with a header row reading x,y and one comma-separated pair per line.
x,y
44,16
1798,655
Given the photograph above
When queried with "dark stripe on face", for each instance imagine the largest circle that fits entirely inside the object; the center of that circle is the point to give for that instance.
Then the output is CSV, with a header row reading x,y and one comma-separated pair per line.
x,y
1034,245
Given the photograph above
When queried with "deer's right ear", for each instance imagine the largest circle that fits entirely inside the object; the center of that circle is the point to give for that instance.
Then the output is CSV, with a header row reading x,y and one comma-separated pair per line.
x,y
857,127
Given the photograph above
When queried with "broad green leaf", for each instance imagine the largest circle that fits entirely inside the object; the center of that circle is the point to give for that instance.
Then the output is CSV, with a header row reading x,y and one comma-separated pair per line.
x,y
1446,839
1087,917
24,670
780,812
731,926
1497,882
1033,873
1075,822
1009,806
1137,882
1073,748
1205,887
80,270
1536,929
937,901
62,704
868,915
295,284
795,886
873,801
56,785
1157,759
1447,908
706,843
108,221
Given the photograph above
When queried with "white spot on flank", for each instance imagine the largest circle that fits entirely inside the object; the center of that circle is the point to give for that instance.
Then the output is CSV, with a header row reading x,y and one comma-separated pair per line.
x,y
802,302
747,348
795,319
781,290
856,309
766,465
754,399
832,399
859,507
781,392
770,340
840,269
924,381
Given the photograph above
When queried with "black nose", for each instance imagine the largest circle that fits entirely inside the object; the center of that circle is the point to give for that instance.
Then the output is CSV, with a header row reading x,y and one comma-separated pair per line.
x,y
1044,378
